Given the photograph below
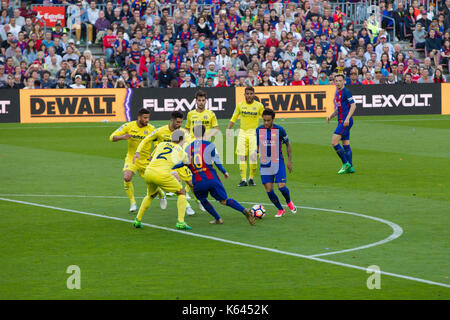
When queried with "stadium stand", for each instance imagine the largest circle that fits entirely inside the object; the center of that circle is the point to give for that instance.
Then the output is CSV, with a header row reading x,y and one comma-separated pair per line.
x,y
212,43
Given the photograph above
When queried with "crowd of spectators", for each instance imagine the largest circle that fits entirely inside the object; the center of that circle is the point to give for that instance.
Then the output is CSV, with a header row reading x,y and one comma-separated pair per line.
x,y
220,44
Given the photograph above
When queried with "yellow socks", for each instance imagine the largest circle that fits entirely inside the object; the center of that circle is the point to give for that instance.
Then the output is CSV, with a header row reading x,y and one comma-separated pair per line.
x,y
129,190
181,205
252,166
144,206
161,193
243,170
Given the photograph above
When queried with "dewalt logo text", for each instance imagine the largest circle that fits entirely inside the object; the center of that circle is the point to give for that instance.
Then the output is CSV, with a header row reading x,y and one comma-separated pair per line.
x,y
294,101
290,102
72,106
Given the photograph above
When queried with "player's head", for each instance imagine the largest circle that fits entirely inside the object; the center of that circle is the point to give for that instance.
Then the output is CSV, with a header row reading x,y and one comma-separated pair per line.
x,y
143,117
339,80
268,116
176,119
177,136
199,131
249,94
200,97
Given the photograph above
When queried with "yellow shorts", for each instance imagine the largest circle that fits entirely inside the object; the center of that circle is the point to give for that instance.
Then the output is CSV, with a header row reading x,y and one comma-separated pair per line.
x,y
155,180
246,143
138,166
184,173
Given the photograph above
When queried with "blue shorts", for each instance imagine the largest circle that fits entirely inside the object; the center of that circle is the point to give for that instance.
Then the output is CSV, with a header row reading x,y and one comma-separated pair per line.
x,y
275,174
213,187
344,132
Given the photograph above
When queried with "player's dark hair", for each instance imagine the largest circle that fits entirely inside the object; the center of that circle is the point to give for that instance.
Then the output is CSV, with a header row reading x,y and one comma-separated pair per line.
x,y
143,111
200,93
340,75
269,112
250,89
177,136
199,131
176,115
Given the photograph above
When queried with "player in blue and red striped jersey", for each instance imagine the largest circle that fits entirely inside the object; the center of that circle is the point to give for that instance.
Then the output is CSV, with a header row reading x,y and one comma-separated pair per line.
x,y
344,107
270,137
202,154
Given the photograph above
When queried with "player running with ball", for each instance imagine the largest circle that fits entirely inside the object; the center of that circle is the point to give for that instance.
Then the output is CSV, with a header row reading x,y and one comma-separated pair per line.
x,y
270,137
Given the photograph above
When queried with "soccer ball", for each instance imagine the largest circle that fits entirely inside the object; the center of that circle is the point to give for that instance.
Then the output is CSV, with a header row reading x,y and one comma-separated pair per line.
x,y
258,211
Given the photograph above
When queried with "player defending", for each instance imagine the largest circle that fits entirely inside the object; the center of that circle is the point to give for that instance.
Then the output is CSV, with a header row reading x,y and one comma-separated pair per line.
x,y
344,107
135,132
202,116
158,175
164,134
270,138
249,111
202,154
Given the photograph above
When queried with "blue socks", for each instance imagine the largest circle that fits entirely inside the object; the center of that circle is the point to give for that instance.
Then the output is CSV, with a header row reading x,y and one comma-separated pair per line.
x,y
235,205
273,197
208,207
341,153
348,154
285,192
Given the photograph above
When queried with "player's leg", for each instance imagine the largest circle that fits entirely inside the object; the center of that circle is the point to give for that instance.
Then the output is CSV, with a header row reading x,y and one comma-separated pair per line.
x,y
151,194
162,196
253,159
129,188
201,190
242,158
337,136
280,179
347,148
268,185
218,192
180,175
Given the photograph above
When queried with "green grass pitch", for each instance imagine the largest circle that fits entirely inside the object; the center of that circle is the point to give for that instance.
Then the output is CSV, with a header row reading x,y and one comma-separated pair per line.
x,y
394,211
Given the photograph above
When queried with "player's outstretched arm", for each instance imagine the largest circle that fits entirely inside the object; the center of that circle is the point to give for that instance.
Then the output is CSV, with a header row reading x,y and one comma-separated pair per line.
x,y
230,125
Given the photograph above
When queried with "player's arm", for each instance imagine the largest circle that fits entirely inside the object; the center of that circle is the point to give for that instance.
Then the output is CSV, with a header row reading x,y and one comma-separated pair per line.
x,y
331,116
188,122
145,144
289,152
233,120
352,108
350,113
218,163
120,134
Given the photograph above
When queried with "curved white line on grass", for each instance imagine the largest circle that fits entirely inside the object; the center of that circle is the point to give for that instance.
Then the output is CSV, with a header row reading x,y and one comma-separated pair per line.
x,y
233,242
397,230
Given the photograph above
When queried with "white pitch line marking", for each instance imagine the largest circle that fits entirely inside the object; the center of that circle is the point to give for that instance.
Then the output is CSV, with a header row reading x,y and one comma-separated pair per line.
x,y
397,230
233,242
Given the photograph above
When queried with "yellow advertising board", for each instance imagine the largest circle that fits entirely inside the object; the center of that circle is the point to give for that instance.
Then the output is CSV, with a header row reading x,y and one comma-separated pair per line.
x,y
445,94
72,105
294,101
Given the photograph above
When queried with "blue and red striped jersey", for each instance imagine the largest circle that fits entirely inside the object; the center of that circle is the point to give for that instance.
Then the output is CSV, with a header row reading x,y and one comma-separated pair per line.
x,y
269,143
342,102
202,154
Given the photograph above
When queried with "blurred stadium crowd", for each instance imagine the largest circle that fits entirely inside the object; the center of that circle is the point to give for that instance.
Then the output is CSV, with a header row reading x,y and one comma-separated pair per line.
x,y
222,43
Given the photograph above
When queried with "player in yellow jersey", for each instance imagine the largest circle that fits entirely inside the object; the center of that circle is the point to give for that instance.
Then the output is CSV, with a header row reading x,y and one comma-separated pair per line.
x,y
158,175
135,132
164,134
250,111
201,116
